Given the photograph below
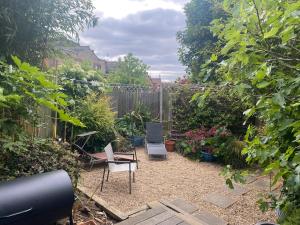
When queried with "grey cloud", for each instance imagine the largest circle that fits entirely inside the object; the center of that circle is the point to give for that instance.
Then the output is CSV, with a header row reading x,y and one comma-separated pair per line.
x,y
150,35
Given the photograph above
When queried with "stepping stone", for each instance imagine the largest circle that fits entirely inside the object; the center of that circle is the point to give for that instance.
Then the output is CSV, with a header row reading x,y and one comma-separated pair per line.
x,y
209,218
185,206
250,179
219,200
262,184
238,190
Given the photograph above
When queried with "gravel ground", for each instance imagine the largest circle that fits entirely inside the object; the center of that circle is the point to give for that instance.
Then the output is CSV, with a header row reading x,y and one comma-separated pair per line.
x,y
178,177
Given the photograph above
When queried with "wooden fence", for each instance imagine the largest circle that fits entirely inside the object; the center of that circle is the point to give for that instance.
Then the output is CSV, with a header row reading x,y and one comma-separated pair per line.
x,y
125,99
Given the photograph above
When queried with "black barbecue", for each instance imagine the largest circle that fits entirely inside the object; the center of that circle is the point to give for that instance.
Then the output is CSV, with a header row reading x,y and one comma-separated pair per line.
x,y
37,200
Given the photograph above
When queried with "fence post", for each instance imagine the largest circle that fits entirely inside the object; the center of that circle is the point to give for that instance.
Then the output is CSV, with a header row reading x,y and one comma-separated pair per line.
x,y
161,101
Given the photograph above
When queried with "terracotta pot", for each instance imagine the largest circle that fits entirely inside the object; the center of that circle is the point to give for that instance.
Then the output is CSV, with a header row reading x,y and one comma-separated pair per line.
x,y
170,145
90,222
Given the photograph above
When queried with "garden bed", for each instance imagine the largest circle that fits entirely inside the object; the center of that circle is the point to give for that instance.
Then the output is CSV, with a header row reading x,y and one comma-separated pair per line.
x,y
178,177
85,210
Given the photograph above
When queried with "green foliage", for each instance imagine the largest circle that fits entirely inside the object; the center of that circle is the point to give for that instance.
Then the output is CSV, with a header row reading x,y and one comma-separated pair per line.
x,y
28,26
262,54
197,43
23,90
78,81
293,219
130,70
134,123
24,156
216,106
229,152
233,175
96,113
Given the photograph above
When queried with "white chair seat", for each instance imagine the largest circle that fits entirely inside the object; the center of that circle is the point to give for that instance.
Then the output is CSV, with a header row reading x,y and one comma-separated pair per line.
x,y
114,167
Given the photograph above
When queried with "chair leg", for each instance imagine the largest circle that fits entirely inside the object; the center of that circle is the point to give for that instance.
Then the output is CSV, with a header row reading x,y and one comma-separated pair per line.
x,y
133,175
103,178
92,164
137,165
129,178
107,175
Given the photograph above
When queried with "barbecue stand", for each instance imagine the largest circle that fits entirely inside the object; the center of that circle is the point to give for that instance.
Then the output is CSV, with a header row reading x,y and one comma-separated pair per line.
x,y
41,199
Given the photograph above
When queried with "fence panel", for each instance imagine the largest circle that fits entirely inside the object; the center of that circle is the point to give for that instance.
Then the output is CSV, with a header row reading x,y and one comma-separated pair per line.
x,y
126,98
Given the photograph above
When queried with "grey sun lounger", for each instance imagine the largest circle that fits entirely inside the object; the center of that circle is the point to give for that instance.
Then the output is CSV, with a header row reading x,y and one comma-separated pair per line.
x,y
154,140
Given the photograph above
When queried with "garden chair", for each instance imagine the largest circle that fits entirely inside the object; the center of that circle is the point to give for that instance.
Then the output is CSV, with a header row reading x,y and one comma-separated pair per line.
x,y
117,166
154,140
99,157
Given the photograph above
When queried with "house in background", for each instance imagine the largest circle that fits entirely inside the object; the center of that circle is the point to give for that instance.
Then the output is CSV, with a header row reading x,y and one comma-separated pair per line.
x,y
155,83
82,54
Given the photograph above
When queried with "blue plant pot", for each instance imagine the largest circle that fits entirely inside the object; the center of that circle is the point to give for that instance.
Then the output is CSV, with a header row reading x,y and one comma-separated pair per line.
x,y
137,141
208,157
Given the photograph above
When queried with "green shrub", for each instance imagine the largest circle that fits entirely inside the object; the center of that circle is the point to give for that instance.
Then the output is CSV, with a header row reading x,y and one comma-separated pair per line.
x,y
230,153
216,106
133,123
26,156
96,113
293,218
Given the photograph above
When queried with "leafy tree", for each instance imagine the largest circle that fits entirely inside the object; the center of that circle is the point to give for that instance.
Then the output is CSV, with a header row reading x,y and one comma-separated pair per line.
x,y
263,57
130,70
28,26
22,90
197,42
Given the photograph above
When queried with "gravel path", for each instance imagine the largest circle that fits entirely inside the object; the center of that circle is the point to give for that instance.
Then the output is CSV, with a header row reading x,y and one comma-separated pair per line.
x,y
178,177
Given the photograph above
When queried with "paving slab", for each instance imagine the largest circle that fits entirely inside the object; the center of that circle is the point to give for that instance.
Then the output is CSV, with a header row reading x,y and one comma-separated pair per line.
x,y
209,218
219,200
238,190
250,179
262,184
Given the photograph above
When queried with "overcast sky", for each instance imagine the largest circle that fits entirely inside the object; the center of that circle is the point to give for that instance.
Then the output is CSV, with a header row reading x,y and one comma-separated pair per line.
x,y
146,28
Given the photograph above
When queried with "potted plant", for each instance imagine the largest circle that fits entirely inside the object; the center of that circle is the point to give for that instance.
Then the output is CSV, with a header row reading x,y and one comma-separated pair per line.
x,y
207,153
132,126
170,145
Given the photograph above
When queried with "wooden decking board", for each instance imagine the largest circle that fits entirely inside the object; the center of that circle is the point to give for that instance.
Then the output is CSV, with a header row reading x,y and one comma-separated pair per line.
x,y
174,212
157,219
171,221
185,206
184,223
189,219
144,216
138,210
209,218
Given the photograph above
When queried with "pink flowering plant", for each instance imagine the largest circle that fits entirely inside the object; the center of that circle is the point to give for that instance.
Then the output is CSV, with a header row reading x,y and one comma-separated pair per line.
x,y
207,140
197,138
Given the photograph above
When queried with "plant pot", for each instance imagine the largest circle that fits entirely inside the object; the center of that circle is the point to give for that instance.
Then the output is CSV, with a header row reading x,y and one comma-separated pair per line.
x,y
208,157
90,222
170,145
137,141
